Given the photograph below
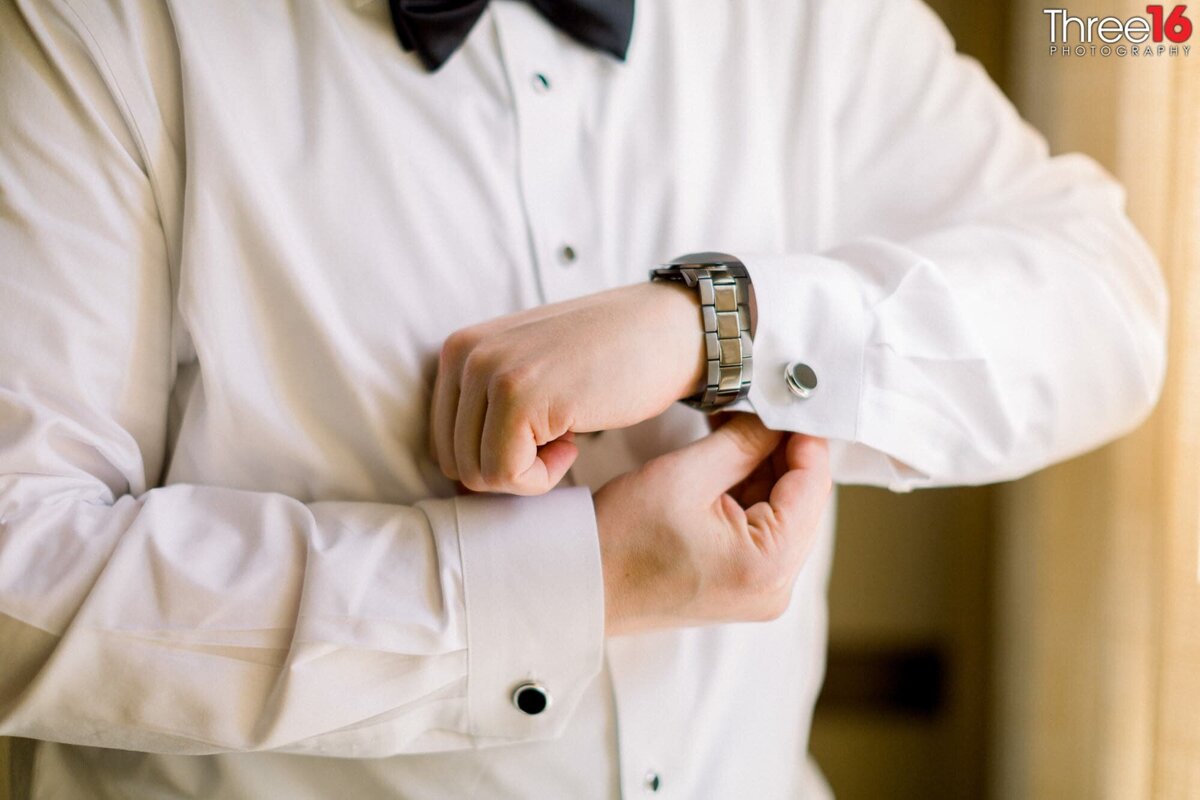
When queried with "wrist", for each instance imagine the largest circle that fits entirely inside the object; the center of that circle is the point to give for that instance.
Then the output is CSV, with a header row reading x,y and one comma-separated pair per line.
x,y
727,311
680,333
615,572
631,565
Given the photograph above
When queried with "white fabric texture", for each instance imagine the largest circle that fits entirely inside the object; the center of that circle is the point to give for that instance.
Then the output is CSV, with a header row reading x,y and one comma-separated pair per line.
x,y
232,239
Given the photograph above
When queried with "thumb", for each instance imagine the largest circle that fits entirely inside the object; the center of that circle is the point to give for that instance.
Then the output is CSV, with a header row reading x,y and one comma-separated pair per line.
x,y
728,455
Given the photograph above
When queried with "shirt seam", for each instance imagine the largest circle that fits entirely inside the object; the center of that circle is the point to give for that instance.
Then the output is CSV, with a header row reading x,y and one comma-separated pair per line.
x,y
102,62
462,560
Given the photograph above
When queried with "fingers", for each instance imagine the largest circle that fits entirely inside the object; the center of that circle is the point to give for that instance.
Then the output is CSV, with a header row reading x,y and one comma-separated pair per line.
x,y
443,408
552,462
728,455
481,431
459,406
700,556
508,447
757,487
507,388
467,430
808,453
719,418
798,498
509,457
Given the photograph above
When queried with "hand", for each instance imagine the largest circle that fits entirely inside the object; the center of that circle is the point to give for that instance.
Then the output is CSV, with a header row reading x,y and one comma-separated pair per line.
x,y
510,393
714,532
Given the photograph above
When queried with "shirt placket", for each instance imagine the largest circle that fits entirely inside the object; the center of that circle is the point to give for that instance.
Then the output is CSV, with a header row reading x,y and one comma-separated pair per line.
x,y
545,76
548,118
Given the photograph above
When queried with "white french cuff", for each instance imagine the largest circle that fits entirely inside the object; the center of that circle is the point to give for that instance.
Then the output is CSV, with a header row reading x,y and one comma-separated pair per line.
x,y
811,312
535,609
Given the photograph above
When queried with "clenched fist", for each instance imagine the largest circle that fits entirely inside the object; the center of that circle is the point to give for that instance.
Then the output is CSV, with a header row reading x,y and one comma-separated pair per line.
x,y
511,392
714,532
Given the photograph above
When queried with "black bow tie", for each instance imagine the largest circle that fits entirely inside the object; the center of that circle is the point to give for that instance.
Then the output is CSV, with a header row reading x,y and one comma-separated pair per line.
x,y
436,28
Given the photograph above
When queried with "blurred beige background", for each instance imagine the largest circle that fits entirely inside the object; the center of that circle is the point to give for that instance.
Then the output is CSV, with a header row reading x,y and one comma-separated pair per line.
x,y
1039,640
907,706
1042,639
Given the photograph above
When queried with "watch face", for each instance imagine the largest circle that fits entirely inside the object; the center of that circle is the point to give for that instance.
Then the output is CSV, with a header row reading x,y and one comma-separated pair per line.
x,y
709,258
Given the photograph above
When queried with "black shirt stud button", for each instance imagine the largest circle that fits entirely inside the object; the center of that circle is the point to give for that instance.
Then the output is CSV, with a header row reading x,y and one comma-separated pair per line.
x,y
531,698
653,781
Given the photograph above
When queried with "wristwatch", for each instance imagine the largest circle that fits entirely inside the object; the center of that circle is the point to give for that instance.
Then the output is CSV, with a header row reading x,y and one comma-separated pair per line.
x,y
727,314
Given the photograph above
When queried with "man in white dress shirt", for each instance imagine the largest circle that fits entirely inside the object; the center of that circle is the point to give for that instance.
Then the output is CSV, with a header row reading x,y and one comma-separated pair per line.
x,y
235,557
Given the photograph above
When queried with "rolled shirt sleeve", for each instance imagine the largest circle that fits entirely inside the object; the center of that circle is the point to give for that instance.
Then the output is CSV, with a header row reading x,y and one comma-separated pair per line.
x,y
982,309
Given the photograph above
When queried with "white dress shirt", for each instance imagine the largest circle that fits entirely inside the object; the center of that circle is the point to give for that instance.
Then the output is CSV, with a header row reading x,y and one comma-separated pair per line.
x,y
233,237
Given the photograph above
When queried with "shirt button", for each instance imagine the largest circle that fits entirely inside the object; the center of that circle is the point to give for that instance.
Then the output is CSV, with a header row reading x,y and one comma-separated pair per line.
x,y
541,84
531,698
801,380
653,781
567,254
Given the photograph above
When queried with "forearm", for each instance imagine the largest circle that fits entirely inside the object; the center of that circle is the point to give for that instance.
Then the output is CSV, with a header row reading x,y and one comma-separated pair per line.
x,y
974,353
974,309
198,619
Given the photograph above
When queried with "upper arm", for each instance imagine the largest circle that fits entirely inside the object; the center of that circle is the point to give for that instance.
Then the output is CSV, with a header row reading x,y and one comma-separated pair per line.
x,y
85,350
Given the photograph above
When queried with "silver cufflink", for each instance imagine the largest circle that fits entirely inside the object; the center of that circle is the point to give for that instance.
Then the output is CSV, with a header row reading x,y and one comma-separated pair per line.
x,y
800,378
